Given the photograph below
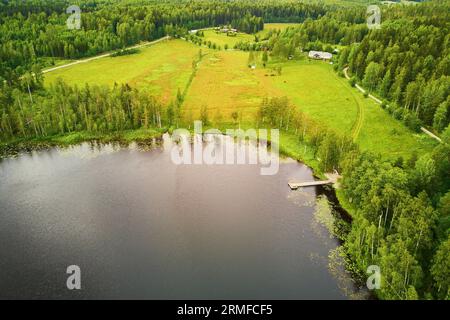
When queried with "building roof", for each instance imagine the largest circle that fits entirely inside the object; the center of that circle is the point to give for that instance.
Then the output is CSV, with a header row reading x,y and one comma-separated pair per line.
x,y
320,55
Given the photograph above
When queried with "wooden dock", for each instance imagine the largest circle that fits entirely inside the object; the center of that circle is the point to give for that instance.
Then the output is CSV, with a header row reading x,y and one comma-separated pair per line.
x,y
332,179
296,185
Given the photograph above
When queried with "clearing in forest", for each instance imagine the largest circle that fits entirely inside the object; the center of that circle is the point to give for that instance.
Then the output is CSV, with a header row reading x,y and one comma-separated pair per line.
x,y
225,84
222,38
277,26
162,68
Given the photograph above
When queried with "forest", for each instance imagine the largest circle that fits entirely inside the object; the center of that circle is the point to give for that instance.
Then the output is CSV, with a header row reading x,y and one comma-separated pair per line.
x,y
400,209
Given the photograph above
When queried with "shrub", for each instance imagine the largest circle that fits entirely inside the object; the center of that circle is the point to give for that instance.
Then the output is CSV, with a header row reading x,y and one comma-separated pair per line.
x,y
398,113
352,81
125,52
412,121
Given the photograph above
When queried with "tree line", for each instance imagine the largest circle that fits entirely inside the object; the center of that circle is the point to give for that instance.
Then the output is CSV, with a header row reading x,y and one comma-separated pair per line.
x,y
63,109
401,221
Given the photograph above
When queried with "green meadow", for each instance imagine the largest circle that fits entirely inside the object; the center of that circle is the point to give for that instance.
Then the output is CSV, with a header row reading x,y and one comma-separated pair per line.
x,y
225,85
162,68
319,92
222,39
277,26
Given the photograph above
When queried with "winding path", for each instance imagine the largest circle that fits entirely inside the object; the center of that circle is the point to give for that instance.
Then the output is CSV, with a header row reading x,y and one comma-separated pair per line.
x,y
356,129
424,130
359,120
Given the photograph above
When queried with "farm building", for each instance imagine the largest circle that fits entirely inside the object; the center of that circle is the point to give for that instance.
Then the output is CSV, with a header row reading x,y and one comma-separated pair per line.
x,y
320,55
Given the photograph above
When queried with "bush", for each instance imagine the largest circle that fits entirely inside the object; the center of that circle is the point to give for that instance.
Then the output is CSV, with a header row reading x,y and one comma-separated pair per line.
x,y
398,113
125,52
412,122
352,81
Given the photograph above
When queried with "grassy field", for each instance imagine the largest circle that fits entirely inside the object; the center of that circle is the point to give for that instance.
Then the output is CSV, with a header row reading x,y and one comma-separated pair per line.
x,y
316,89
277,26
162,68
221,39
224,84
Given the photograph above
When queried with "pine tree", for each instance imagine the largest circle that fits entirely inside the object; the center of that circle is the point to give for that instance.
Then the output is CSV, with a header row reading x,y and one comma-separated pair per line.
x,y
441,116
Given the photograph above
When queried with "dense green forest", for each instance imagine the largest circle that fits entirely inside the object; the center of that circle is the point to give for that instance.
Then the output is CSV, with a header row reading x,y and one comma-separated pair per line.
x,y
401,209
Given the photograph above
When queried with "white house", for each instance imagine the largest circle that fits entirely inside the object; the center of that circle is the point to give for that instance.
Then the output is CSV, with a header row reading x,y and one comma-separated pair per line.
x,y
320,55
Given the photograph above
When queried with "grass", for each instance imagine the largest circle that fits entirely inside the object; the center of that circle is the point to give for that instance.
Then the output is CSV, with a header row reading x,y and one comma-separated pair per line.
x,y
221,39
276,26
162,68
316,89
224,84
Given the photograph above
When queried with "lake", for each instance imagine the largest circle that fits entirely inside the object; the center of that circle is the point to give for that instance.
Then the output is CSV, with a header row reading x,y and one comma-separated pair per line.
x,y
139,226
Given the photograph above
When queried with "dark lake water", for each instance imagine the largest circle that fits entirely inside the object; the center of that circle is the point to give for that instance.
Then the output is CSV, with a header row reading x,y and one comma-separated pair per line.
x,y
139,226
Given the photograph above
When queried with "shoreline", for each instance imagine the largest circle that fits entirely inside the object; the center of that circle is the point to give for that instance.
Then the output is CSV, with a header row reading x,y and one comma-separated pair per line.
x,y
342,209
13,149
